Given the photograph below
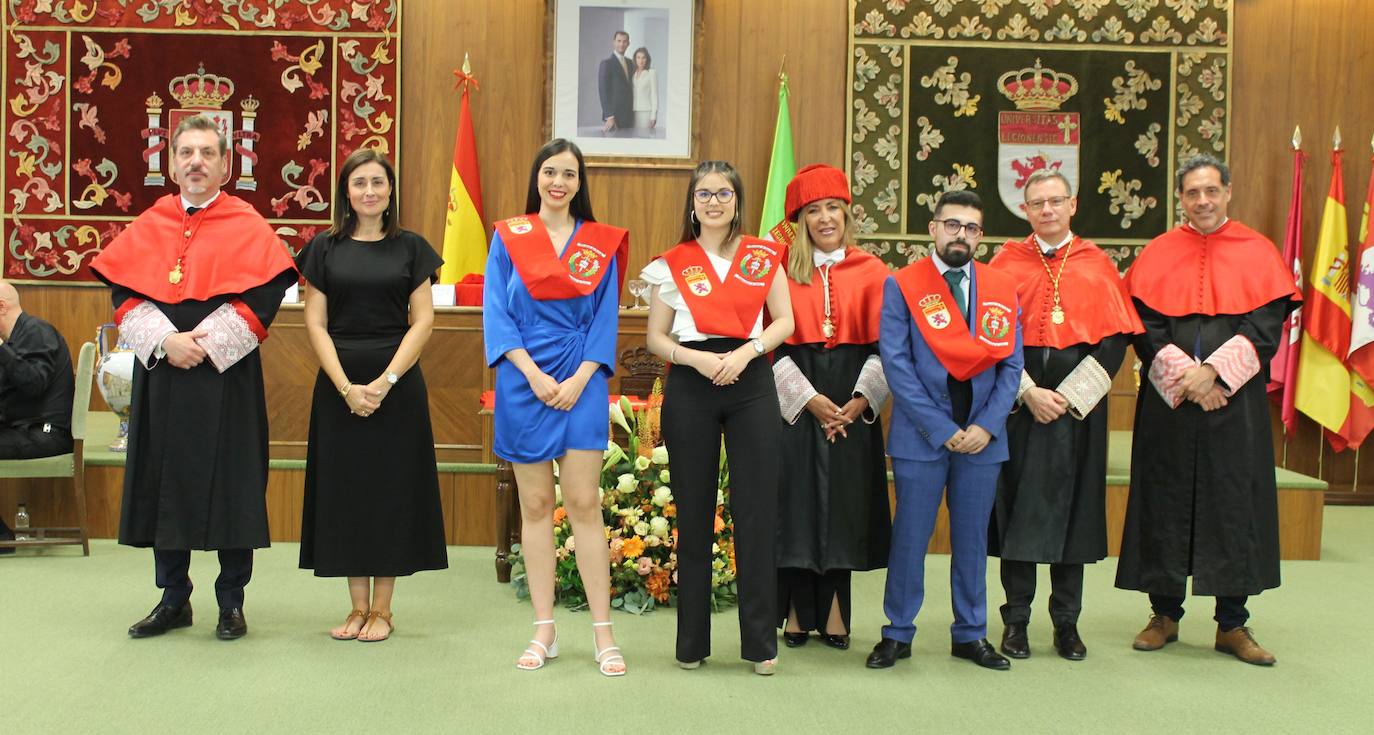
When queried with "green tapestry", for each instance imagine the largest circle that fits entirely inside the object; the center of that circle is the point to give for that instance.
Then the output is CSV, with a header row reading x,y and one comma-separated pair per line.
x,y
977,94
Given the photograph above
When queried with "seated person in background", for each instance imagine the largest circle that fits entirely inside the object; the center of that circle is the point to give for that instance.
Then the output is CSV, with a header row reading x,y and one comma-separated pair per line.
x,y
35,388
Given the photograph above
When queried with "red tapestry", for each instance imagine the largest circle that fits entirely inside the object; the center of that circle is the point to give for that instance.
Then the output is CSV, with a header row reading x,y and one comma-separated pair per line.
x,y
93,88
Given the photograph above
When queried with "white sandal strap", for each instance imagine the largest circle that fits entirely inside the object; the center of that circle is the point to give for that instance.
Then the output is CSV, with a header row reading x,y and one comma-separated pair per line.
x,y
544,622
541,645
607,650
602,625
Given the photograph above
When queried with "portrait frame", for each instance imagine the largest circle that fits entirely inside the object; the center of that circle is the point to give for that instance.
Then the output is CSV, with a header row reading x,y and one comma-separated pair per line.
x,y
579,39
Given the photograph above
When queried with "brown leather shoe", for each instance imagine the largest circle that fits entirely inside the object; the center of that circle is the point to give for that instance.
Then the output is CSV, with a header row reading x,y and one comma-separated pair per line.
x,y
1240,642
1160,630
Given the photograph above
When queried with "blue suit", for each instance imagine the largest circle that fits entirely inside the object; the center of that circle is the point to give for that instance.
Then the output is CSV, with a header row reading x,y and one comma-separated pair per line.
x,y
922,421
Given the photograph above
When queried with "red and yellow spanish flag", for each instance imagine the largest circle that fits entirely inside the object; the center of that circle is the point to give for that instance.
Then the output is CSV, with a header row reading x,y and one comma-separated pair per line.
x,y
1324,390
465,235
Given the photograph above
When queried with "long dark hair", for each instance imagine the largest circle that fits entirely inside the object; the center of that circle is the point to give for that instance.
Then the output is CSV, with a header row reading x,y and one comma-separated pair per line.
x,y
690,227
345,222
581,206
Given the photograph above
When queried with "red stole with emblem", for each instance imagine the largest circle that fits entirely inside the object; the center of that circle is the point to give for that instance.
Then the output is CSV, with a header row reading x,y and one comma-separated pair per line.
x,y
963,353
856,302
1093,298
730,308
583,264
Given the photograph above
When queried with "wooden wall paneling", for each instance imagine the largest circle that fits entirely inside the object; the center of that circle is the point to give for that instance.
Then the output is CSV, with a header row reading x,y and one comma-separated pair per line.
x,y
285,493
474,519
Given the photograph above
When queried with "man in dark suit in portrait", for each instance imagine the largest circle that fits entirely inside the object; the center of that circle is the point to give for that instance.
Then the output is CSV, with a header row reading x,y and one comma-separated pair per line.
x,y
613,84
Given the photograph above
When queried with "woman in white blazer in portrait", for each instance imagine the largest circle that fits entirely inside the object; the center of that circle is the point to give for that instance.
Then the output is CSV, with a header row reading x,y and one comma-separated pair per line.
x,y
645,85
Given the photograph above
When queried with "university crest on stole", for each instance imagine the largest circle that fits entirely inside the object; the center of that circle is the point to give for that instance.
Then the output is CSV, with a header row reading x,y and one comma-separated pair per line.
x,y
937,315
995,323
585,261
1036,135
519,225
755,264
697,280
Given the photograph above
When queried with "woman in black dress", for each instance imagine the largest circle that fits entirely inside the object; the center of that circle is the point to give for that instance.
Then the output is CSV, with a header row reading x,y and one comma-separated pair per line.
x,y
832,496
371,510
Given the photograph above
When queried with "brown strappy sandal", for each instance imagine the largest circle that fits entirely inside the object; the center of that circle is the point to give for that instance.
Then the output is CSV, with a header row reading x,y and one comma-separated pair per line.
x,y
370,618
348,621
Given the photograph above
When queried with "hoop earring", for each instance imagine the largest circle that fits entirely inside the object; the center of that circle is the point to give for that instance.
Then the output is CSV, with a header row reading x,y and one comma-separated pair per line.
x,y
692,216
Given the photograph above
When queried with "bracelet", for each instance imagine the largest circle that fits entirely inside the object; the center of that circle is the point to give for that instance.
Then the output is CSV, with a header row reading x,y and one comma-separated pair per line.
x,y
343,392
673,354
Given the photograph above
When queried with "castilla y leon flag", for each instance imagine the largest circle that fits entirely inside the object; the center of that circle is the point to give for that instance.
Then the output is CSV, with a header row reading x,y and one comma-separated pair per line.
x,y
1283,369
465,237
1325,390
1360,361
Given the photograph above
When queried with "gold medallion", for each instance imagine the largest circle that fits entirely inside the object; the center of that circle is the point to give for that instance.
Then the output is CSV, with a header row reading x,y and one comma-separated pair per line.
x,y
174,275
1057,315
828,328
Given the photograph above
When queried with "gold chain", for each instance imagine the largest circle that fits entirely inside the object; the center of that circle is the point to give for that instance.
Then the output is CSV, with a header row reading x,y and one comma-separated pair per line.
x,y
1057,313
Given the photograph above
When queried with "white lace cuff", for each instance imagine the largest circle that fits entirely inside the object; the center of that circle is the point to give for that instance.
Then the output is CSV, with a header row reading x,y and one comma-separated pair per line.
x,y
794,390
1166,370
143,328
1236,362
872,384
1085,386
228,337
1026,384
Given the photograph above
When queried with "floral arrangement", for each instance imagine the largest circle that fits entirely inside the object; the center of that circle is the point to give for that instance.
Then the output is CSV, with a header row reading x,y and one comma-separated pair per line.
x,y
641,521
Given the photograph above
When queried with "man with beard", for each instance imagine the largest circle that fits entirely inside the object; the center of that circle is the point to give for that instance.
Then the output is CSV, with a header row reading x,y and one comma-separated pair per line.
x,y
196,279
951,351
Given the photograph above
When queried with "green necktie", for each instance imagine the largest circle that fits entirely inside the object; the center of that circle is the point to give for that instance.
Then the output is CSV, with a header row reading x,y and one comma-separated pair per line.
x,y
954,278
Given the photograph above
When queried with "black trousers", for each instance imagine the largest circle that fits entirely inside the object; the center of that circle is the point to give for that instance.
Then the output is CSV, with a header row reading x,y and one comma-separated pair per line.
x,y
1230,612
174,576
695,413
1066,592
812,595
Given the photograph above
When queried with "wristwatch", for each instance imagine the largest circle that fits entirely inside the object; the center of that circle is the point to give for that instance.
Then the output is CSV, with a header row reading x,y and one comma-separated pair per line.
x,y
391,378
758,346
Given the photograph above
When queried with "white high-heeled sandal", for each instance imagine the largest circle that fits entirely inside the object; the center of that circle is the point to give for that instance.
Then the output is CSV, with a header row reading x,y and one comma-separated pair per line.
x,y
602,663
549,652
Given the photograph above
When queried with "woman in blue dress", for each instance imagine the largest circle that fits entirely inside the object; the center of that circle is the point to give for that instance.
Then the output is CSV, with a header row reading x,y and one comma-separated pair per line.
x,y
550,306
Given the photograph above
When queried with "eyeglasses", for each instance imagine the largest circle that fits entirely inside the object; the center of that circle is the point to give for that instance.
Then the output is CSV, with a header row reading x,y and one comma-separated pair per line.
x,y
1055,202
723,196
953,226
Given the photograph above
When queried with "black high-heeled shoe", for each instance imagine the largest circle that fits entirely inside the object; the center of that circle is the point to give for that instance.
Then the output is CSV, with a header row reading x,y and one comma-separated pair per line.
x,y
840,642
794,640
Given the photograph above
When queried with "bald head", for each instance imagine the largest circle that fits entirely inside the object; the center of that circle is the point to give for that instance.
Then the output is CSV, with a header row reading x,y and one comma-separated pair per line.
x,y
9,294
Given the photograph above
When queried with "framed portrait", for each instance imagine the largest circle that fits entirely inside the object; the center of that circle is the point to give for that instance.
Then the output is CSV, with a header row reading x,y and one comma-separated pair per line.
x,y
623,77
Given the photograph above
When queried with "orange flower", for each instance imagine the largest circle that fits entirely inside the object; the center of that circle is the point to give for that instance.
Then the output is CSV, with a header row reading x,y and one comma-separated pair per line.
x,y
720,524
633,547
657,584
560,514
670,510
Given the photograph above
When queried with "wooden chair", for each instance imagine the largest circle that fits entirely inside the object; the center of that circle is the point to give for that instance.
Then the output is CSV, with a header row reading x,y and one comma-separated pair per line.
x,y
71,465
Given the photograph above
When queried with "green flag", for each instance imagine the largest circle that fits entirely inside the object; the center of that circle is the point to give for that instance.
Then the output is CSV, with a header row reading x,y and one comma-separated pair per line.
x,y
781,167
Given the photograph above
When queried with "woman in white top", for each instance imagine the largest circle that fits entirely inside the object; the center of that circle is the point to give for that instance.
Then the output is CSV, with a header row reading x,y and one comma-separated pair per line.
x,y
645,84
706,317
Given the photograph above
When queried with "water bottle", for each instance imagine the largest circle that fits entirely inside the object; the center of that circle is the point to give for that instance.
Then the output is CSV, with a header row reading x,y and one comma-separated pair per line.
x,y
21,523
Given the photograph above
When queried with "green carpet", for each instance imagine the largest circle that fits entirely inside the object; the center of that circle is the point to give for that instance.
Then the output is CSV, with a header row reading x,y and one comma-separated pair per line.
x,y
67,665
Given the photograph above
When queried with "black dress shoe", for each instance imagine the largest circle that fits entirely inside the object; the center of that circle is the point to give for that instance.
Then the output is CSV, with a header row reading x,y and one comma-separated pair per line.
x,y
794,640
1014,641
1067,642
886,653
982,653
162,619
231,624
836,641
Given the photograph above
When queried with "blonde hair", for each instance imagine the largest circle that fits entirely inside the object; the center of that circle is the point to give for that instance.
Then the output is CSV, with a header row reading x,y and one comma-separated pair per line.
x,y
799,261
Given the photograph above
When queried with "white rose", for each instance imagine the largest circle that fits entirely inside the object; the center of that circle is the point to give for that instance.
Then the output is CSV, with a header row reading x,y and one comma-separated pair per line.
x,y
660,456
715,549
663,476
641,463
662,496
570,545
658,526
641,528
651,540
625,483
717,565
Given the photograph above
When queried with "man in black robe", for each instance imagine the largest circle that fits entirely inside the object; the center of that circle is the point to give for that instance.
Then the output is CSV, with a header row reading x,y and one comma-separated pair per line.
x,y
196,279
1051,509
1212,295
35,388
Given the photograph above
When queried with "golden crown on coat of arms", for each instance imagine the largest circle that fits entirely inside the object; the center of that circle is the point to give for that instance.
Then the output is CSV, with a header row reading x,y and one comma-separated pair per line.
x,y
693,270
200,90
931,301
1037,89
